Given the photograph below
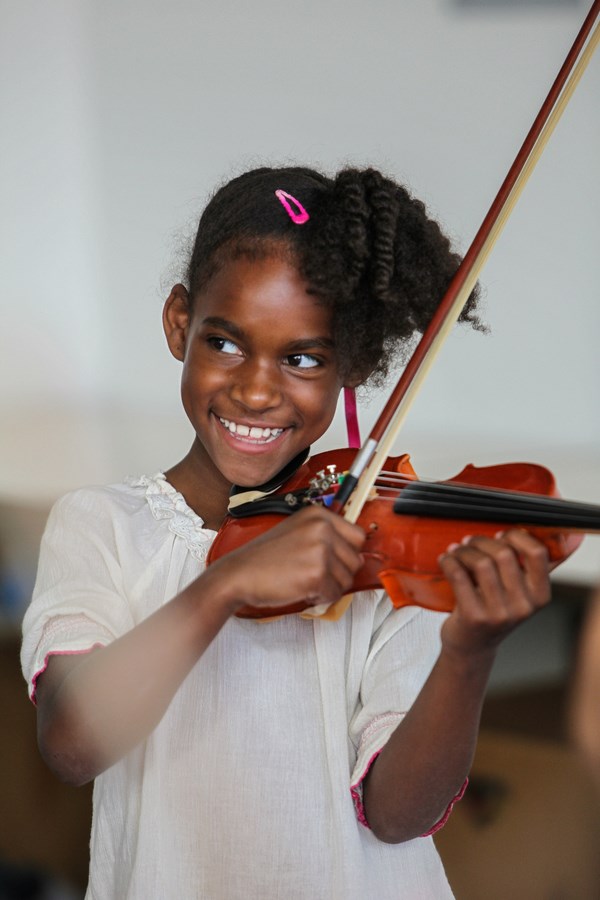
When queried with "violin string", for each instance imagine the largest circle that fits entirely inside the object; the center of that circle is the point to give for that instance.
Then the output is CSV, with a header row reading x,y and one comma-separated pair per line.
x,y
390,478
504,502
395,479
461,490
434,499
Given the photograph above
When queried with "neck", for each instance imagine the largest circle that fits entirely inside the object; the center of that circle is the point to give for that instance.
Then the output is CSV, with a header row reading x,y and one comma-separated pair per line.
x,y
203,486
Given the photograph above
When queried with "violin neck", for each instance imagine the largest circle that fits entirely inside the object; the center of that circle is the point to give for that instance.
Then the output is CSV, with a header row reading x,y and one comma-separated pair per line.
x,y
452,501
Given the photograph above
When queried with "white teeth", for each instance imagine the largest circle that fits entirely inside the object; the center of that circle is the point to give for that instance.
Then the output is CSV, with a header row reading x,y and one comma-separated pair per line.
x,y
255,432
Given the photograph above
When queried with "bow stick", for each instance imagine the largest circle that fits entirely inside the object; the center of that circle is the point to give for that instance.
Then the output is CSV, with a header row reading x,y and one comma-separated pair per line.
x,y
370,459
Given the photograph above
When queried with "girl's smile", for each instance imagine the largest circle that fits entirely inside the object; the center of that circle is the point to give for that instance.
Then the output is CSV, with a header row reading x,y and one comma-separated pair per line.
x,y
254,434
260,378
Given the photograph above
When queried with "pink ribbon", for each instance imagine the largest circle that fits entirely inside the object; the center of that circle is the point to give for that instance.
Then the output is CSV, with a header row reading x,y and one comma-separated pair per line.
x,y
351,417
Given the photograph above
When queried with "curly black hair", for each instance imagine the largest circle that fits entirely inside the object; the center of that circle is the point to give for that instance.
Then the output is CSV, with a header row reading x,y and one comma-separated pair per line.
x,y
369,250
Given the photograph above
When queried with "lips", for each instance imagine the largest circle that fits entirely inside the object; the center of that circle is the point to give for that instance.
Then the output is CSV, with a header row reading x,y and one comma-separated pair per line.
x,y
251,433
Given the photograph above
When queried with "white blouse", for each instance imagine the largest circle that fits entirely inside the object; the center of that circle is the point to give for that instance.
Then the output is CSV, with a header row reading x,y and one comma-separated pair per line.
x,y
250,785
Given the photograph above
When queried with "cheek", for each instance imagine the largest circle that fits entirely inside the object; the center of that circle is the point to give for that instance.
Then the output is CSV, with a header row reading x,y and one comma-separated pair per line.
x,y
197,379
196,389
320,406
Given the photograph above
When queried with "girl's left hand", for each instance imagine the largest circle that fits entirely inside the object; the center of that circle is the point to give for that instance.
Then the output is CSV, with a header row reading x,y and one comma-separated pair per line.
x,y
498,583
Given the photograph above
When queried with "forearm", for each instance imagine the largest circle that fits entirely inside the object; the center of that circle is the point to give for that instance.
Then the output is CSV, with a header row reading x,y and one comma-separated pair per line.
x,y
426,760
98,706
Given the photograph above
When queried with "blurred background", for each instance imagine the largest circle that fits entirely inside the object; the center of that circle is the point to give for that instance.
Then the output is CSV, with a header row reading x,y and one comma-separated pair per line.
x,y
119,119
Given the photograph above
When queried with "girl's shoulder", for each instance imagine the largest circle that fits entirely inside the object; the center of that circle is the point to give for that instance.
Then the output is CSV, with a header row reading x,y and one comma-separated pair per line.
x,y
158,494
144,491
122,496
145,507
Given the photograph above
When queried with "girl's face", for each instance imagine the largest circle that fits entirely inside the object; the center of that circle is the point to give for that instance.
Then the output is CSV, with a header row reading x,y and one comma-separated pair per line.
x,y
260,380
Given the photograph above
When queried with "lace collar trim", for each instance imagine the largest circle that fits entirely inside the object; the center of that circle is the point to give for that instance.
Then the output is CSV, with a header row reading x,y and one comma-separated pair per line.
x,y
168,504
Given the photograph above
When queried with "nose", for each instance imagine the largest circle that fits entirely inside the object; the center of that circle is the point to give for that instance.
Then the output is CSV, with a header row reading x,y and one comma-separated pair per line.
x,y
256,386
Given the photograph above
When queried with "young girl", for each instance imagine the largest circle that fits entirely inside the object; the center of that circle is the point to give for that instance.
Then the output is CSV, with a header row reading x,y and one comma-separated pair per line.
x,y
295,758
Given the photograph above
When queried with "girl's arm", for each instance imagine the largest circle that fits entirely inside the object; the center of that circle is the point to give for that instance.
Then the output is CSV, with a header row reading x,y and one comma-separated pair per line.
x,y
497,584
95,707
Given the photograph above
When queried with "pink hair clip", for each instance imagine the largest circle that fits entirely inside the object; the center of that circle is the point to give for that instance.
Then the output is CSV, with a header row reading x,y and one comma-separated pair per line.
x,y
298,216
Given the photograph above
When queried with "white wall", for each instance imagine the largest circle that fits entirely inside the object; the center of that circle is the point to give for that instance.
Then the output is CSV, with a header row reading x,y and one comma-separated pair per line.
x,y
119,117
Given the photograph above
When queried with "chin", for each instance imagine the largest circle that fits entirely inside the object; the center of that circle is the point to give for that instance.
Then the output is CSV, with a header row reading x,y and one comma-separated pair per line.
x,y
254,468
252,477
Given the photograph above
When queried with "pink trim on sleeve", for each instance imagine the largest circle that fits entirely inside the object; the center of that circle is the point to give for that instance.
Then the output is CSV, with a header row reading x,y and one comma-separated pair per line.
x,y
441,822
356,791
46,661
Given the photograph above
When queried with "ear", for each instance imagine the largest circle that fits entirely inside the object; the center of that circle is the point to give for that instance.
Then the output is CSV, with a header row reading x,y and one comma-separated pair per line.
x,y
176,320
356,379
353,382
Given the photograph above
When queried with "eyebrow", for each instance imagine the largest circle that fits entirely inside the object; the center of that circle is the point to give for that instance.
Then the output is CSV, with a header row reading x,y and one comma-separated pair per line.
x,y
309,343
224,325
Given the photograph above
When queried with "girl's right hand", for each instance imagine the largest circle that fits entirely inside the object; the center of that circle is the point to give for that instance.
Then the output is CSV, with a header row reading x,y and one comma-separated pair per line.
x,y
312,557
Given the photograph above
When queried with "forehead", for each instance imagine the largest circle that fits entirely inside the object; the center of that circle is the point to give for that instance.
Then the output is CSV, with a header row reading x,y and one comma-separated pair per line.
x,y
265,293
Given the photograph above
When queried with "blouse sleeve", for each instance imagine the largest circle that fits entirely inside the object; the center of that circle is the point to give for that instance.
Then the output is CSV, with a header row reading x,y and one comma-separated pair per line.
x,y
78,600
402,653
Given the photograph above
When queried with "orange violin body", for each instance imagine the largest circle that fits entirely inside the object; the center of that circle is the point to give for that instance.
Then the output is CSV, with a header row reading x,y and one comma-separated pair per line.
x,y
401,552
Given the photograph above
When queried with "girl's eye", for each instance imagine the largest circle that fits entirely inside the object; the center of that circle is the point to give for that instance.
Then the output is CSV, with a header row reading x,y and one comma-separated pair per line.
x,y
224,345
302,361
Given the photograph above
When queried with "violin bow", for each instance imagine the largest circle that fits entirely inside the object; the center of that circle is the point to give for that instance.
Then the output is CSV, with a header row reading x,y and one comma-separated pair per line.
x,y
359,481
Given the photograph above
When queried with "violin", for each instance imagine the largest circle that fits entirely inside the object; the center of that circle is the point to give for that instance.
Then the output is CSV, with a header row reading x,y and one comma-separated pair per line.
x,y
409,523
